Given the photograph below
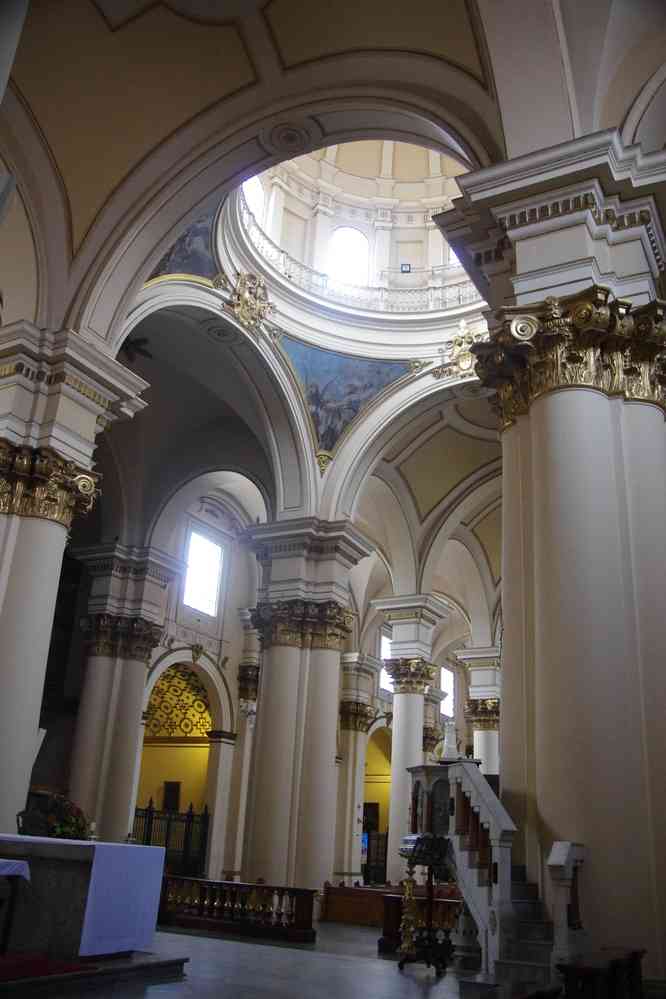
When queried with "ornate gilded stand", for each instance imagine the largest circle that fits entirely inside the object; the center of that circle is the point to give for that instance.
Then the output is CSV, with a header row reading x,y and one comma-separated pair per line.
x,y
425,942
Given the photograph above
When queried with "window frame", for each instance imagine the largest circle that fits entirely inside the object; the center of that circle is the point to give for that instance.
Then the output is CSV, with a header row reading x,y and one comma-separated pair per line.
x,y
190,616
329,271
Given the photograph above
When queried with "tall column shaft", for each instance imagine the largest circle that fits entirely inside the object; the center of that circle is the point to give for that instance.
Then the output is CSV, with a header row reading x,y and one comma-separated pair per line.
x,y
584,377
139,638
518,790
406,751
587,685
92,726
218,784
277,771
319,773
644,445
32,551
353,747
245,752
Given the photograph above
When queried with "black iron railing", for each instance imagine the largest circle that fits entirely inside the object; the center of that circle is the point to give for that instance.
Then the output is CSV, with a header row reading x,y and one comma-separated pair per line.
x,y
184,835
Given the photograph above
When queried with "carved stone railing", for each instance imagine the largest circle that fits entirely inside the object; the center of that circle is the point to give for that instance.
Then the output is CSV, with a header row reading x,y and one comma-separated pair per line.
x,y
569,936
257,910
450,288
481,833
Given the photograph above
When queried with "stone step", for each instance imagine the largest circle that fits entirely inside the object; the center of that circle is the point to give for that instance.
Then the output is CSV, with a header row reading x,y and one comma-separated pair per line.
x,y
514,972
533,929
524,890
527,909
476,988
529,950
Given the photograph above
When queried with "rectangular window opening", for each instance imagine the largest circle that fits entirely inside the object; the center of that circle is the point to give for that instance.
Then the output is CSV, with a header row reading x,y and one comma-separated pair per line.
x,y
204,569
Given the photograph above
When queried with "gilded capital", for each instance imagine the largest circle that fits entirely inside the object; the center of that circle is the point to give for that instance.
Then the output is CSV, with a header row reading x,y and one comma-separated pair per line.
x,y
37,482
586,340
114,636
432,736
356,716
302,624
483,713
248,681
410,676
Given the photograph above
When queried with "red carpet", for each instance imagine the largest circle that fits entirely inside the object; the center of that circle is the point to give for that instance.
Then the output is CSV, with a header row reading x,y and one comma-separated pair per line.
x,y
15,966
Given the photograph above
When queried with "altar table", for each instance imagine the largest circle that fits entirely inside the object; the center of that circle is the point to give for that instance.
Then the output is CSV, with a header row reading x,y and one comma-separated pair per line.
x,y
12,870
84,898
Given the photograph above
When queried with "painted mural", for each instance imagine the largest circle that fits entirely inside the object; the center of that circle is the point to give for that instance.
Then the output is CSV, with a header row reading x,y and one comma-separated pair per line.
x,y
192,252
337,386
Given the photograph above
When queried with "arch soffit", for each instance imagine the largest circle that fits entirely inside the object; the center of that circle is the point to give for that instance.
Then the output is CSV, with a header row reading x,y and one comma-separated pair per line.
x,y
275,398
217,688
191,171
382,427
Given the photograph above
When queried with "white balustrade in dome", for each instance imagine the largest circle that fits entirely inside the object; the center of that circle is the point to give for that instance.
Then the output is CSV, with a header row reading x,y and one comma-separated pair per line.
x,y
429,290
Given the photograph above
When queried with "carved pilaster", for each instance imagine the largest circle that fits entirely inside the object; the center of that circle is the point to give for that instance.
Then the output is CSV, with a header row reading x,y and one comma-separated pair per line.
x,y
101,637
125,637
584,340
302,624
37,482
410,676
483,713
248,681
356,716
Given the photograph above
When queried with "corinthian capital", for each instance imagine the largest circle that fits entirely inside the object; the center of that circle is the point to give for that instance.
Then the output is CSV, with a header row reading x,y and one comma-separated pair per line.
x,y
587,340
483,713
356,716
410,676
38,482
302,623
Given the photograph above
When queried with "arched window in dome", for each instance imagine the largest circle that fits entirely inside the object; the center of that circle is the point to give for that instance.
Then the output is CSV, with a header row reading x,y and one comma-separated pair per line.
x,y
348,256
253,190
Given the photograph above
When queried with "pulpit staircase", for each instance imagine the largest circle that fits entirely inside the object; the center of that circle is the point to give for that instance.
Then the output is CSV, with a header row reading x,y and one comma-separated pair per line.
x,y
514,933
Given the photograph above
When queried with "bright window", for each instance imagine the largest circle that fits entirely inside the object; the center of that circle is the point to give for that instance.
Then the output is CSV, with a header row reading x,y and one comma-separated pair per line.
x,y
253,190
447,685
348,256
204,569
385,681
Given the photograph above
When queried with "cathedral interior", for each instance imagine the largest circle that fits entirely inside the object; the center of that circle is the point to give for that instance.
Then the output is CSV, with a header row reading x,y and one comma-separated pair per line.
x,y
332,397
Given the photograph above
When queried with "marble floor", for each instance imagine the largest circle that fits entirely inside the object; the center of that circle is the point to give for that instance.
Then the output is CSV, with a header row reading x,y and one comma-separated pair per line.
x,y
342,964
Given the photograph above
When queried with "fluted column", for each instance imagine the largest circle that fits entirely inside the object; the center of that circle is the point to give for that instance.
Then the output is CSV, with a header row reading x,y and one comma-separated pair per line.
x,y
582,377
138,638
411,678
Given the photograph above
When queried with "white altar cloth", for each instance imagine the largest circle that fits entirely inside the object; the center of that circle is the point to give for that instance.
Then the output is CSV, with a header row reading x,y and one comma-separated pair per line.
x,y
14,869
113,888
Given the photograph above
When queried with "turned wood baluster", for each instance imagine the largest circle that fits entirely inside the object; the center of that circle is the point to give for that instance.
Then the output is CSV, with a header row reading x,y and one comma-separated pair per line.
x,y
474,827
279,908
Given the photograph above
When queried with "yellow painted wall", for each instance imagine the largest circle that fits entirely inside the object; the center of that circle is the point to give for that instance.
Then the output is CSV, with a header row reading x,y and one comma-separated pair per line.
x,y
377,785
187,764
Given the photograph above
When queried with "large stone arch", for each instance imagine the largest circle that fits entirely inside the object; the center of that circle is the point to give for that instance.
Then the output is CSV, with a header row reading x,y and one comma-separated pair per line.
x,y
219,696
261,390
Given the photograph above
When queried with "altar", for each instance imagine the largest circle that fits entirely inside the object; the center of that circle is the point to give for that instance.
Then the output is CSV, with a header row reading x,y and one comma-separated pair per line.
x,y
84,898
